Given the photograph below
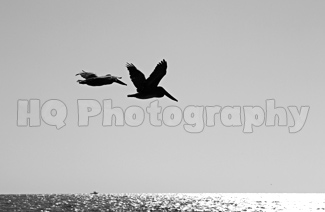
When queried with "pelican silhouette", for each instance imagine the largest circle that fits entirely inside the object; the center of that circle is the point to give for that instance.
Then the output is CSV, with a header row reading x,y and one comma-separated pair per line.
x,y
93,80
148,88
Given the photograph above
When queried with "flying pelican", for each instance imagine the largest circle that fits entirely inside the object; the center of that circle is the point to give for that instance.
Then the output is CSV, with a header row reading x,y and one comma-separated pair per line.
x,y
148,88
93,80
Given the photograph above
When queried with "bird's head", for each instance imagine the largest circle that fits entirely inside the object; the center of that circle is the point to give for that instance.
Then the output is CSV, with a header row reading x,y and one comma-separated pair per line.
x,y
164,92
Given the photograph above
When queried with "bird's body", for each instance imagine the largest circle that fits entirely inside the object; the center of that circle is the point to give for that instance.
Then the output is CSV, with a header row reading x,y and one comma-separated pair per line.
x,y
157,92
92,79
148,88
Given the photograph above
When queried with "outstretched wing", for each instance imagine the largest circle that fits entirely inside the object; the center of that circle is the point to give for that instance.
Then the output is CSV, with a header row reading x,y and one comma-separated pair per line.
x,y
157,74
86,75
136,76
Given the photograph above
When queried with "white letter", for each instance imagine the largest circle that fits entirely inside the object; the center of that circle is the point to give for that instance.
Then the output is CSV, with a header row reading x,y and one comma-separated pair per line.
x,y
109,112
272,112
153,111
54,112
299,119
134,116
211,111
230,116
29,111
87,108
194,117
254,116
172,116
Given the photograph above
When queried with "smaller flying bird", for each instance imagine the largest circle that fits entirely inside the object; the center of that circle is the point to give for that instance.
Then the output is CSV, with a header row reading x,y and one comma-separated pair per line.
x,y
92,79
148,88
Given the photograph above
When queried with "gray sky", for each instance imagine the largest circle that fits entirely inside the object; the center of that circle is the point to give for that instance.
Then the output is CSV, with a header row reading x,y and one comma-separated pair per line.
x,y
226,53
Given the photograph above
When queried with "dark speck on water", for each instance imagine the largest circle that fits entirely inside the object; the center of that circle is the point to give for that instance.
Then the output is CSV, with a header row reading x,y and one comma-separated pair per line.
x,y
161,202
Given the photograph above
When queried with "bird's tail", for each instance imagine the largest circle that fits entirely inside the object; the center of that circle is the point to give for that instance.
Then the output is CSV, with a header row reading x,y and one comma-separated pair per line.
x,y
80,72
120,82
132,95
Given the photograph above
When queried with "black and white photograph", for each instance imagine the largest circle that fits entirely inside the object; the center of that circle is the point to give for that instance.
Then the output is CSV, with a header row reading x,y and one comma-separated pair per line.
x,y
162,106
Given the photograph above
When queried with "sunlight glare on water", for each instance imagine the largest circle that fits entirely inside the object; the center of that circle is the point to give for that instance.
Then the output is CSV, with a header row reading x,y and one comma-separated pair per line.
x,y
221,202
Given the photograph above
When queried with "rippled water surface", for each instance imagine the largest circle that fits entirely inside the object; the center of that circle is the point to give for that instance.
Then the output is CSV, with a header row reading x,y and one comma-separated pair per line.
x,y
163,202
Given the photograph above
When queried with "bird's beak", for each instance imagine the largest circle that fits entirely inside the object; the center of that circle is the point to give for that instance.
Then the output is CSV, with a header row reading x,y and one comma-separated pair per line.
x,y
170,96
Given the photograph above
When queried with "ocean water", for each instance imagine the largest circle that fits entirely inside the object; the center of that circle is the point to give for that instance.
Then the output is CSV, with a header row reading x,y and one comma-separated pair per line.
x,y
250,202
